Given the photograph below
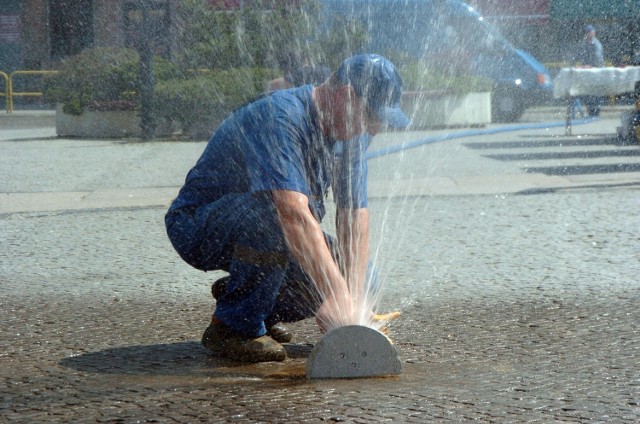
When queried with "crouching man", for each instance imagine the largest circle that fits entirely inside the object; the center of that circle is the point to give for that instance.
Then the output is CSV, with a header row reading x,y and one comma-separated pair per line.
x,y
253,203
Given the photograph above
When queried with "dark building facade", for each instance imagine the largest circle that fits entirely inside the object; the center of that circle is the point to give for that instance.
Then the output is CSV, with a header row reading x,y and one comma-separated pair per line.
x,y
35,34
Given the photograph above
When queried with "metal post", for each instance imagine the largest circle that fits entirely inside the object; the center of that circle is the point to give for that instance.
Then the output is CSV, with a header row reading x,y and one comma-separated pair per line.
x,y
7,91
147,118
570,106
635,121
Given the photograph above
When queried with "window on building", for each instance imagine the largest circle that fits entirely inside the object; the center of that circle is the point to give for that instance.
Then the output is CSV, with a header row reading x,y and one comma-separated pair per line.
x,y
70,26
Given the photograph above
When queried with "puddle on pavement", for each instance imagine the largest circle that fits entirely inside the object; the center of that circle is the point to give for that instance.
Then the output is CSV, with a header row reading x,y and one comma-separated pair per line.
x,y
187,364
276,374
288,370
219,372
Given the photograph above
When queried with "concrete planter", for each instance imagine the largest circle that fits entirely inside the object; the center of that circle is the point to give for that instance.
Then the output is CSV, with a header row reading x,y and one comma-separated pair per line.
x,y
441,109
103,124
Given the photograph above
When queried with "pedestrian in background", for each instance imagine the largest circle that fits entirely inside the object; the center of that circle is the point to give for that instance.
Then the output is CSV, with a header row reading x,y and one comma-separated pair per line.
x,y
590,54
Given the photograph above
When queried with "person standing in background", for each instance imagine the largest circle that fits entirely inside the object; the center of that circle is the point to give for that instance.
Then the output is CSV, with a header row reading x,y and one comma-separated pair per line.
x,y
590,54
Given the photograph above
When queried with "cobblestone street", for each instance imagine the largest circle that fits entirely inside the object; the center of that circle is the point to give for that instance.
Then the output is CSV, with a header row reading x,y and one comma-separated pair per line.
x,y
517,281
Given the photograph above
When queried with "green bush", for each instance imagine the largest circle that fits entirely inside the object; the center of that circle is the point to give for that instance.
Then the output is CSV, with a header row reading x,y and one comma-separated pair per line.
x,y
108,79
101,78
205,99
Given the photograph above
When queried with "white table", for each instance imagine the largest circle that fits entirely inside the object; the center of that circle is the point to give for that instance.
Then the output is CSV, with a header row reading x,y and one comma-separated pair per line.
x,y
573,82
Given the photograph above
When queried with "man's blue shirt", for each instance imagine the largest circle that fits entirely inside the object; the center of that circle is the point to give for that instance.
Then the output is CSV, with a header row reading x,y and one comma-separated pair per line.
x,y
276,143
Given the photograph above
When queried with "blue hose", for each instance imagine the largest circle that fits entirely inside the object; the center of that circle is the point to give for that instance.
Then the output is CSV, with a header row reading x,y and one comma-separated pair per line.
x,y
471,133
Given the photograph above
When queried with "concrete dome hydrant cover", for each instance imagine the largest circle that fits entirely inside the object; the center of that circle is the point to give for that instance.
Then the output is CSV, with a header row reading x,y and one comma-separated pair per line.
x,y
353,351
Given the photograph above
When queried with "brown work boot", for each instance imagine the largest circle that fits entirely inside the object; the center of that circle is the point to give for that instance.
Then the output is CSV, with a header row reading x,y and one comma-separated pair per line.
x,y
277,332
280,333
221,339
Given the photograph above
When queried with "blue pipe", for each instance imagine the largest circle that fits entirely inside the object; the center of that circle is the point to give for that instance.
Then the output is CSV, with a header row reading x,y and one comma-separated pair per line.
x,y
471,133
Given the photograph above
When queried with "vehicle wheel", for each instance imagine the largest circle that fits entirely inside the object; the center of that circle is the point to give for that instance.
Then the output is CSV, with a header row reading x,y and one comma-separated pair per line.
x,y
506,105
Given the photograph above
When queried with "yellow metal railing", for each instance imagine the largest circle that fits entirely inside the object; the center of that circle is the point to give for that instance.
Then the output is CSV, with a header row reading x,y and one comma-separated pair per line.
x,y
7,90
10,93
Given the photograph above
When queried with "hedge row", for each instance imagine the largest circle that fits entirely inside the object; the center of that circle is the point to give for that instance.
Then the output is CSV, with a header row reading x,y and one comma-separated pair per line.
x,y
108,79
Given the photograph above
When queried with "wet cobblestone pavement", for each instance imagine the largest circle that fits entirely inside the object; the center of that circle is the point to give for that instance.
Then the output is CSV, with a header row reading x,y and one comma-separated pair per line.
x,y
528,318
516,308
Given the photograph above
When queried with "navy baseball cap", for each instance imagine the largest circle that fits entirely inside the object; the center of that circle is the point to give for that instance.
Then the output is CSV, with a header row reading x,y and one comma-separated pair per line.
x,y
376,81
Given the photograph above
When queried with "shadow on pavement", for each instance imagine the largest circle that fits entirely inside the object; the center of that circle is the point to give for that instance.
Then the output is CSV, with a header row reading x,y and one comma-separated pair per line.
x,y
20,139
586,169
585,154
584,140
186,359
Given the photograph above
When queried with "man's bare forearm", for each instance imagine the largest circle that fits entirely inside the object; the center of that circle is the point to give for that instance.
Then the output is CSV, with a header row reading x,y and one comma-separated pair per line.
x,y
353,241
305,238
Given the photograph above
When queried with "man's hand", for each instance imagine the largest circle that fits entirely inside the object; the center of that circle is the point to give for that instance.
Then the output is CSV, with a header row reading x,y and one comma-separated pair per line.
x,y
337,312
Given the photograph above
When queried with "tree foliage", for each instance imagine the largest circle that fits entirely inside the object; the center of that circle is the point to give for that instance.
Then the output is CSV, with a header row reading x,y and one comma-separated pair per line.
x,y
279,37
223,59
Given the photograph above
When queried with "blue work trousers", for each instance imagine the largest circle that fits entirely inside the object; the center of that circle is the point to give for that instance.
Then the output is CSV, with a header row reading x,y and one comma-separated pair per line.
x,y
240,233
